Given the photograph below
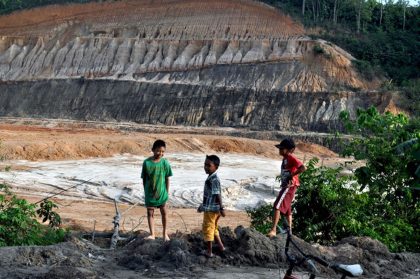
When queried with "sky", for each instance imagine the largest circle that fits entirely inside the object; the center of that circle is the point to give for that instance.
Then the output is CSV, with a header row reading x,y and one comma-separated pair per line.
x,y
414,2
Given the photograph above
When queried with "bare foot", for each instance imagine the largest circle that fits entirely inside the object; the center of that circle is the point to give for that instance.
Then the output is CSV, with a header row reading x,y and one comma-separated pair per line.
x,y
166,238
207,254
271,234
151,237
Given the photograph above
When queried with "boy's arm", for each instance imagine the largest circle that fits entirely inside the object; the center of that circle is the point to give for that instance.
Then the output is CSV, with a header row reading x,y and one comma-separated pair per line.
x,y
168,174
167,183
300,169
217,191
219,200
143,172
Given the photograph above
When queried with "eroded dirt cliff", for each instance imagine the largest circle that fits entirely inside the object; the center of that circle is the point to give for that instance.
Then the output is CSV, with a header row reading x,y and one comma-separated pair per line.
x,y
222,63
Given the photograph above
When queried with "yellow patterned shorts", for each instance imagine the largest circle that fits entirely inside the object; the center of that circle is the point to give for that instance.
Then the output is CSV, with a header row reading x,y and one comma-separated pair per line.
x,y
210,230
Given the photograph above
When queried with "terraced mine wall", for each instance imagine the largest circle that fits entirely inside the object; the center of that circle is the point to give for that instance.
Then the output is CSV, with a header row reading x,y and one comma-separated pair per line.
x,y
181,104
222,63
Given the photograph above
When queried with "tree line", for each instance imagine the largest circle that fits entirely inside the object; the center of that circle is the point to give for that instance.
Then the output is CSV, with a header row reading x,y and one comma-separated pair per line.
x,y
360,15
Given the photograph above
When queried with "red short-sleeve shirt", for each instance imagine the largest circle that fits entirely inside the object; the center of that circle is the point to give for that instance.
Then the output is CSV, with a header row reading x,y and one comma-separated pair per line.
x,y
291,164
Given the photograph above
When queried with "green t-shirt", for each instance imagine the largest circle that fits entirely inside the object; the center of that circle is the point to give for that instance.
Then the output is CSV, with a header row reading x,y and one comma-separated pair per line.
x,y
154,175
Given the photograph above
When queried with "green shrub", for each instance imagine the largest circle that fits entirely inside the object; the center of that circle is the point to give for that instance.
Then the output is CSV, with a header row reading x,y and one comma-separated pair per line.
x,y
318,49
411,92
18,223
327,205
390,147
364,68
261,217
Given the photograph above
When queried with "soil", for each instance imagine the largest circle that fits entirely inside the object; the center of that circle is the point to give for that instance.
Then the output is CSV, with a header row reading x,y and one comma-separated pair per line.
x,y
249,254
177,14
51,140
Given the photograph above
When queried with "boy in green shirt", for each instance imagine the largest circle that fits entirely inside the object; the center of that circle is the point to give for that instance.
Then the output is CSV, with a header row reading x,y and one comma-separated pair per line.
x,y
155,174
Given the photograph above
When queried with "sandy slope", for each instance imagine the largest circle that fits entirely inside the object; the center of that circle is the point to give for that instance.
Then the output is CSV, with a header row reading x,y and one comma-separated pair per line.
x,y
70,141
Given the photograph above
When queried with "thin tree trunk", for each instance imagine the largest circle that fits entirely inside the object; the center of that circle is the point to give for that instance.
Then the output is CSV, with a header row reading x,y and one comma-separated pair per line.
x,y
404,8
318,5
335,12
358,17
314,10
382,12
303,7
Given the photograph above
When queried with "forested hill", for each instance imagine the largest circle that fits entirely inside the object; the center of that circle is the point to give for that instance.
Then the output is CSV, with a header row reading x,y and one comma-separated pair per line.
x,y
382,35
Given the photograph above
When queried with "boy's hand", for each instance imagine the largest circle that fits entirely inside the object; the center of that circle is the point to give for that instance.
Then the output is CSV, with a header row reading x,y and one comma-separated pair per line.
x,y
222,212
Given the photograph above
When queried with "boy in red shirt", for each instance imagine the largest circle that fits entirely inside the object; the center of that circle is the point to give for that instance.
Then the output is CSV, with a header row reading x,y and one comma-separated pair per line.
x,y
290,168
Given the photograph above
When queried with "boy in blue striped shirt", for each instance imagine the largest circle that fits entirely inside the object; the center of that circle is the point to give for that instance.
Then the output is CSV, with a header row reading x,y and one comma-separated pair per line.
x,y
212,205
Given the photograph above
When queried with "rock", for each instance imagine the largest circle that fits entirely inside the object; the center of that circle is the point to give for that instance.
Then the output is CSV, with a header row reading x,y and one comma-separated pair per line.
x,y
180,104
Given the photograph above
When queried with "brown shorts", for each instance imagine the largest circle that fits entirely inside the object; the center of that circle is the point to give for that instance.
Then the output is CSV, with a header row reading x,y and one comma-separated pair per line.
x,y
284,200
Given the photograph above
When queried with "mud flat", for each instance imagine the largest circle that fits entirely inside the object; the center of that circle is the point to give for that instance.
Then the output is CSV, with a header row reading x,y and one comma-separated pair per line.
x,y
103,161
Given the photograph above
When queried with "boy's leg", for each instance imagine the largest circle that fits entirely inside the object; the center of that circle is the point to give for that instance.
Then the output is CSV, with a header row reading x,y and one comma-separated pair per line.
x,y
276,207
151,222
219,243
209,248
163,212
289,220
217,236
208,231
276,219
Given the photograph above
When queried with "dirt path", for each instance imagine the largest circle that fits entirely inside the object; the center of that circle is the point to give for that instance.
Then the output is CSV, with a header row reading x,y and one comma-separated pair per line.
x,y
84,215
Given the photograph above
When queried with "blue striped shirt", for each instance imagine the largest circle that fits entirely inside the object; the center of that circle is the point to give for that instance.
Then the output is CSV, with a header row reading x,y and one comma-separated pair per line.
x,y
212,188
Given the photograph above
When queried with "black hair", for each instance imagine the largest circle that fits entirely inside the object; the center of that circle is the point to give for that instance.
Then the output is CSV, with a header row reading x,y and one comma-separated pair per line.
x,y
214,159
288,144
158,143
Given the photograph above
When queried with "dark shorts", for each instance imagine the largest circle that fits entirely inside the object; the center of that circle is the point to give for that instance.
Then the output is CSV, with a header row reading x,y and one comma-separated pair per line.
x,y
153,207
284,200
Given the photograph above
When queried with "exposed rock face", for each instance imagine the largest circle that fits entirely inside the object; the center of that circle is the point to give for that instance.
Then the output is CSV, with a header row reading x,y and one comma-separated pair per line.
x,y
227,63
178,104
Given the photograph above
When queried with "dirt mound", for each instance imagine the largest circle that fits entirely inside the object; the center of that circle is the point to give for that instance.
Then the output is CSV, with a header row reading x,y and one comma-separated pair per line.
x,y
181,257
32,142
376,258
315,149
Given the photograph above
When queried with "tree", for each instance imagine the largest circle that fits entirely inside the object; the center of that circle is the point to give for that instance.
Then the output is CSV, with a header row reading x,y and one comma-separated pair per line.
x,y
389,176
